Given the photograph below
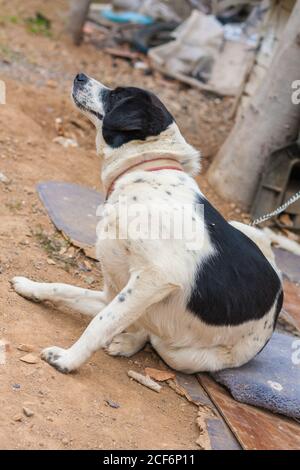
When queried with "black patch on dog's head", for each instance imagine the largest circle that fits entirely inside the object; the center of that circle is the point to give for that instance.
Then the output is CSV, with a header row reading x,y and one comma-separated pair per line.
x,y
133,114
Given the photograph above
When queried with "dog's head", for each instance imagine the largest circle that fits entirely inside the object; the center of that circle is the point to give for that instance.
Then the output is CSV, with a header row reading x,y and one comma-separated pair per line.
x,y
122,114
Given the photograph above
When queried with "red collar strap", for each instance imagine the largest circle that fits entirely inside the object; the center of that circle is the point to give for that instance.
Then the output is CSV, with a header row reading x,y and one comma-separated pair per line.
x,y
144,166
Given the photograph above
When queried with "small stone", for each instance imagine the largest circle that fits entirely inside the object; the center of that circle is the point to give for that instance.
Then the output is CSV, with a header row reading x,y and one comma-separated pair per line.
x,y
59,126
51,84
4,348
112,404
3,178
27,412
71,252
50,261
30,359
18,417
65,441
65,142
49,418
89,280
26,348
29,191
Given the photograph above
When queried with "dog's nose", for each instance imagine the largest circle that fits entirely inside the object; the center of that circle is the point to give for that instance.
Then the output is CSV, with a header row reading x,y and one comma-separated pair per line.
x,y
81,78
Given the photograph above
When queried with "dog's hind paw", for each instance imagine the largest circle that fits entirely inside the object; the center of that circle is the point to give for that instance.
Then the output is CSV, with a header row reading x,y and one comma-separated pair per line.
x,y
25,287
125,344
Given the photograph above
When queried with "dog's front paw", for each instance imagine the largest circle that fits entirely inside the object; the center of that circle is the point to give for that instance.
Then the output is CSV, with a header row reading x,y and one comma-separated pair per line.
x,y
58,358
25,287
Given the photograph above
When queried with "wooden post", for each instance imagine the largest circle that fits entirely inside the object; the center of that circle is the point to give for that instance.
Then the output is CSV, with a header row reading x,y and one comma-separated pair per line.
x,y
78,13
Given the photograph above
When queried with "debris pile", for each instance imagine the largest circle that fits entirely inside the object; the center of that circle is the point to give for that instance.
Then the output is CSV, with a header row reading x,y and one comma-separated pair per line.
x,y
215,46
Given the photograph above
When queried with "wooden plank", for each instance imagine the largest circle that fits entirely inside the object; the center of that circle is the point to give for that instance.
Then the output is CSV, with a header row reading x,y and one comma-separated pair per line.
x,y
254,428
292,302
209,420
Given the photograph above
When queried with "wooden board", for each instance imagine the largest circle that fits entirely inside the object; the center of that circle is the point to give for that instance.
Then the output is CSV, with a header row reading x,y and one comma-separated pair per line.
x,y
255,429
219,435
292,302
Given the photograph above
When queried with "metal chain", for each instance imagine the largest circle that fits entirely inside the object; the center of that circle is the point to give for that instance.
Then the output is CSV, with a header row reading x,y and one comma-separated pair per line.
x,y
278,211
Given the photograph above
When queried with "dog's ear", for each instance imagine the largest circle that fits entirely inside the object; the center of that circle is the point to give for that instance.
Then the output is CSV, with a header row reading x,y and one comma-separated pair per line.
x,y
127,115
135,117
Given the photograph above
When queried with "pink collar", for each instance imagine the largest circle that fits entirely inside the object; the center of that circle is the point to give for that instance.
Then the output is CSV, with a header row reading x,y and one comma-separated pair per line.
x,y
144,166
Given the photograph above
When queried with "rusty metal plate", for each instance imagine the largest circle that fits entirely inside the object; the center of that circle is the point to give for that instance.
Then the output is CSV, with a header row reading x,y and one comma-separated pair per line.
x,y
219,435
288,263
72,209
255,429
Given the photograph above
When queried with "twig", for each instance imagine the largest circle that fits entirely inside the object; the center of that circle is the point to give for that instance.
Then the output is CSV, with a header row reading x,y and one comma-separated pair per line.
x,y
144,380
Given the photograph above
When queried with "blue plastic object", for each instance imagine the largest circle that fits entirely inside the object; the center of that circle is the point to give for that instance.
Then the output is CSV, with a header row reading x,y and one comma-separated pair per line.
x,y
126,17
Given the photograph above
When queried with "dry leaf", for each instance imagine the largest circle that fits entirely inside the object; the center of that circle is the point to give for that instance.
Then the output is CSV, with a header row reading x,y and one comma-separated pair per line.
x,y
159,375
285,219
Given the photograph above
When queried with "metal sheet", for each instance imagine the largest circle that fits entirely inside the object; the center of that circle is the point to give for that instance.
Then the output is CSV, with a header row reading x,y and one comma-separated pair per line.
x,y
72,209
220,436
255,429
288,263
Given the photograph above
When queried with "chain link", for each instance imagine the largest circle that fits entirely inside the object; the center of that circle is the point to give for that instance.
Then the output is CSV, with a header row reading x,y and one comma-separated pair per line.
x,y
278,211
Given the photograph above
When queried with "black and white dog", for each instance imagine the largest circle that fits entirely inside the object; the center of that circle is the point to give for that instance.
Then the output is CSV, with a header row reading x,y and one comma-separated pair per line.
x,y
204,308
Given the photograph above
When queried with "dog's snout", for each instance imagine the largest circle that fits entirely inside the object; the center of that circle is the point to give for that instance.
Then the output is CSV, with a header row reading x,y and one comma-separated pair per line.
x,y
81,78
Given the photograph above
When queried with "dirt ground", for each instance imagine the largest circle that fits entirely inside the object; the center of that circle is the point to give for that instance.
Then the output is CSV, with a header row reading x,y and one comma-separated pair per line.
x,y
71,411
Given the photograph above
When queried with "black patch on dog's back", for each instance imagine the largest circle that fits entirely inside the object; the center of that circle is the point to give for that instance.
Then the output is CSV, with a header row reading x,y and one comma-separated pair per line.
x,y
237,283
133,114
